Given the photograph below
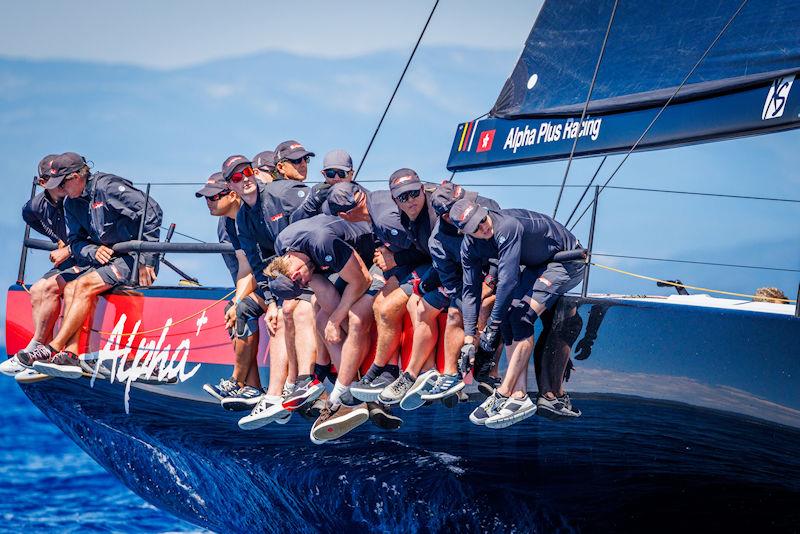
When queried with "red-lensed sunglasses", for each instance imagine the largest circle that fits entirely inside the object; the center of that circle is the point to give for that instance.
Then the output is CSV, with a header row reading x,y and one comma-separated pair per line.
x,y
239,176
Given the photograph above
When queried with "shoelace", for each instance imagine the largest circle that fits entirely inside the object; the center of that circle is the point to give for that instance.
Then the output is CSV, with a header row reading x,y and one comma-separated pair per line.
x,y
41,352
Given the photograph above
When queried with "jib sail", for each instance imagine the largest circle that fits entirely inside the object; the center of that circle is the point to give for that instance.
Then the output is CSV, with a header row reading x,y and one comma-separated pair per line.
x,y
743,86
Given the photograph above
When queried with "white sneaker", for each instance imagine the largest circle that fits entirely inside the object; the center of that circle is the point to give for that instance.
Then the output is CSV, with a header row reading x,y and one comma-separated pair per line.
x,y
268,409
29,376
512,411
11,366
423,384
487,409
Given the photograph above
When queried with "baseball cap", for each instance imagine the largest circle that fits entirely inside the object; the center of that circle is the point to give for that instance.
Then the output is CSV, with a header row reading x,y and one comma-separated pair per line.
x,y
444,196
284,287
44,165
466,215
403,180
291,150
342,197
337,159
231,163
215,184
265,159
61,166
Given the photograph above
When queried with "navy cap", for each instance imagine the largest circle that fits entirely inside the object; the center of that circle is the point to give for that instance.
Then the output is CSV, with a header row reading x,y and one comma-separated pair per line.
x,y
342,197
444,196
337,159
265,160
466,215
402,181
291,150
61,166
215,184
284,287
231,163
44,165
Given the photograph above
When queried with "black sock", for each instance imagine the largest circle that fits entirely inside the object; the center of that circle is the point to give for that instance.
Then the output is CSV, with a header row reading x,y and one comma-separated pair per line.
x,y
374,372
322,371
393,369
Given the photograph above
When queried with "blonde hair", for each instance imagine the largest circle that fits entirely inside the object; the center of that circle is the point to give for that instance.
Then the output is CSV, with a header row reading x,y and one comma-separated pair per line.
x,y
770,294
278,266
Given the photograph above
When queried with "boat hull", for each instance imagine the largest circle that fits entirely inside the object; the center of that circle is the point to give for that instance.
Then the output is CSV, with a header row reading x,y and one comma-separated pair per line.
x,y
690,418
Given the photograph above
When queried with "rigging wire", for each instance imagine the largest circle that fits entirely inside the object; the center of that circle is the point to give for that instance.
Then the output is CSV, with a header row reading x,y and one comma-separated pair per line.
x,y
586,106
666,104
396,87
586,189
714,264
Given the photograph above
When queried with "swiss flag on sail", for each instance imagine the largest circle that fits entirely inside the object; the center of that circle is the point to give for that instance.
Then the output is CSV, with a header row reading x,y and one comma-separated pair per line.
x,y
485,140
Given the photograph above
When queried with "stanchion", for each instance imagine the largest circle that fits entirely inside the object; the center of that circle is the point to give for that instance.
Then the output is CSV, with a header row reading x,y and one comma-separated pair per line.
x,y
585,288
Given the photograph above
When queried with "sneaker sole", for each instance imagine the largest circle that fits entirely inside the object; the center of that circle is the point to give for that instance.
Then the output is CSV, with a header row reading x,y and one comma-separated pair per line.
x,y
298,402
453,390
251,423
366,395
413,397
58,371
283,420
506,421
239,405
383,420
338,427
29,376
555,415
210,390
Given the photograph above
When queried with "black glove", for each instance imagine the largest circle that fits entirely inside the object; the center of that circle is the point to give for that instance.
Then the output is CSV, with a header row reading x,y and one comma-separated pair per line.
x,y
583,349
466,359
490,338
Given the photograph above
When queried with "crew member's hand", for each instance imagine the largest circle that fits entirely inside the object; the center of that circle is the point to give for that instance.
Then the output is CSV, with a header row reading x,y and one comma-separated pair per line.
x,y
333,334
230,316
59,256
103,254
466,359
147,275
384,259
583,349
271,318
490,338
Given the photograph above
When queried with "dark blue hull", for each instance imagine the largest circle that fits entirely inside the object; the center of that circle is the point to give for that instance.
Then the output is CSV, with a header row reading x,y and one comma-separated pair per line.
x,y
690,420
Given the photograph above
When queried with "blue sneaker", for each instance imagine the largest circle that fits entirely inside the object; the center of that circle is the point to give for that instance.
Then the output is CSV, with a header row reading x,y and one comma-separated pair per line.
x,y
225,388
242,399
445,386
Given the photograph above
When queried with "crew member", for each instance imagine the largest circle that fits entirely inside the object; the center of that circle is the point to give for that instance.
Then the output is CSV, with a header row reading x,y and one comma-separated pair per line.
x,y
337,166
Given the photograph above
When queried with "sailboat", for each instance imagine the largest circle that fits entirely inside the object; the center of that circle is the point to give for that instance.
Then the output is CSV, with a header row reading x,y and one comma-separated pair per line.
x,y
691,404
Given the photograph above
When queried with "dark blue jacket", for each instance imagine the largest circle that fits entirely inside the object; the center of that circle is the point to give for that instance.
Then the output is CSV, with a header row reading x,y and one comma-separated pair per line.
x,y
259,225
316,202
108,212
445,248
328,240
46,217
521,237
226,232
390,232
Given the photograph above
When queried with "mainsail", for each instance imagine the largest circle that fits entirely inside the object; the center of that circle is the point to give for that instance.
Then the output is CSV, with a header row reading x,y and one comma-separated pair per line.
x,y
743,85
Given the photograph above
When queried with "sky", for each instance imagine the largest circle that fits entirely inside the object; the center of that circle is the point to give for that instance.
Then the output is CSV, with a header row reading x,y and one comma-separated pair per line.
x,y
162,92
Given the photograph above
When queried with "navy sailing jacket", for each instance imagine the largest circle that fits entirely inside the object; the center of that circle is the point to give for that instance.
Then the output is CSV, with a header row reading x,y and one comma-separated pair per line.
x,y
316,202
521,237
226,232
390,232
46,217
108,212
259,225
328,240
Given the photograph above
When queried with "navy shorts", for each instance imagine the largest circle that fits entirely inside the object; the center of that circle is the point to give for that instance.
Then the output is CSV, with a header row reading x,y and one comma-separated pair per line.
x,y
374,287
118,271
408,275
68,270
305,295
441,301
247,313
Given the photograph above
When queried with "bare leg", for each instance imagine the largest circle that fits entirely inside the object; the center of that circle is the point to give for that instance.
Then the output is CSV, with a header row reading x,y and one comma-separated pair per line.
x,y
426,332
46,303
389,308
289,335
87,288
278,364
245,368
359,324
453,340
519,354
334,350
305,339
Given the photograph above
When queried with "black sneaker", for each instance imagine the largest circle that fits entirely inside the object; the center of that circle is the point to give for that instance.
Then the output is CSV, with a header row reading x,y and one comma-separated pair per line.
x,y
39,353
369,390
245,398
381,416
556,408
64,364
487,384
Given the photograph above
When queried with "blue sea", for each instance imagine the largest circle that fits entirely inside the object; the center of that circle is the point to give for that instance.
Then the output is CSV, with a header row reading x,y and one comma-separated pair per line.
x,y
48,484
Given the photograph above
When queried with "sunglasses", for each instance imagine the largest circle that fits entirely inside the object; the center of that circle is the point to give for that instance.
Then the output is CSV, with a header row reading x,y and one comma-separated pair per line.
x,y
239,176
214,198
408,195
297,161
333,173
